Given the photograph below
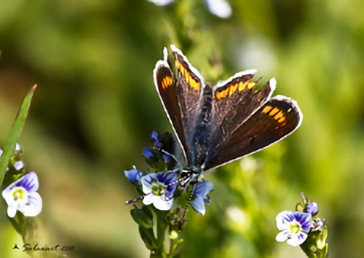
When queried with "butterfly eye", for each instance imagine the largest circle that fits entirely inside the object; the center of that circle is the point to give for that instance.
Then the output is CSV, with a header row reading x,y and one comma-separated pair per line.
x,y
184,173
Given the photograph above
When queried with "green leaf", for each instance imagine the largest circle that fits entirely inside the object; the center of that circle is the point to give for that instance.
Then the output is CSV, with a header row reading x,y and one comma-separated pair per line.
x,y
142,217
15,133
148,238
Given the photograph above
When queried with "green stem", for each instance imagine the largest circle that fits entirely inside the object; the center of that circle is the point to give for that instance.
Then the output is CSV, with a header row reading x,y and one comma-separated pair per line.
x,y
306,249
174,245
161,233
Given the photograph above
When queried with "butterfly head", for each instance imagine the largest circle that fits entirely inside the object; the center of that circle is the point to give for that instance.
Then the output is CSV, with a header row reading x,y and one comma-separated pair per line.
x,y
190,176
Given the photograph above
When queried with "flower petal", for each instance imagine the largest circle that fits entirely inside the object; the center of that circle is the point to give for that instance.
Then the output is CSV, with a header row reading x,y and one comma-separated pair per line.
x,y
312,208
203,188
199,205
147,182
18,165
8,195
12,209
149,199
155,135
33,206
282,236
304,219
298,239
167,178
163,205
283,219
133,175
29,182
148,153
17,147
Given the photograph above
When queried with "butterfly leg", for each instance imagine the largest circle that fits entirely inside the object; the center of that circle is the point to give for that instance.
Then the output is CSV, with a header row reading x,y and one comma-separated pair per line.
x,y
182,219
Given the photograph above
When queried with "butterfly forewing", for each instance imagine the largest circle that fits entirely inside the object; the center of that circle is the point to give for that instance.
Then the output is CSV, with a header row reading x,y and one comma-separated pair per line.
x,y
189,86
276,119
165,83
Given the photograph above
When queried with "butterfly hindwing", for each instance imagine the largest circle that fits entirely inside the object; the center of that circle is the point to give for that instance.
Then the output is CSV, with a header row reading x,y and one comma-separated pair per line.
x,y
235,101
273,121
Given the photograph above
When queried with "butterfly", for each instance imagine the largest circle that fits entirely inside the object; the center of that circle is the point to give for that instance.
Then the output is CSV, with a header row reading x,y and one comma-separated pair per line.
x,y
217,125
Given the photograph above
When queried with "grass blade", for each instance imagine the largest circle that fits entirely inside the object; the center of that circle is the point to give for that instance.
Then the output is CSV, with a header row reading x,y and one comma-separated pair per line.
x,y
15,133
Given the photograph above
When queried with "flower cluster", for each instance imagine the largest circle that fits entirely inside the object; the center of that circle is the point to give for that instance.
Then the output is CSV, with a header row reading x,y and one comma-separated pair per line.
x,y
15,162
159,156
302,227
159,188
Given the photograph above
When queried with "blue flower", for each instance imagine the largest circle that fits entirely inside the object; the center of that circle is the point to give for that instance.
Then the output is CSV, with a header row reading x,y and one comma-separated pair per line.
x,y
21,195
312,208
150,156
295,226
201,191
134,175
159,190
155,136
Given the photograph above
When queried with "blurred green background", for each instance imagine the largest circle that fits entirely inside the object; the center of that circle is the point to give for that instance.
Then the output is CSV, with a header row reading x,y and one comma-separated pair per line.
x,y
96,106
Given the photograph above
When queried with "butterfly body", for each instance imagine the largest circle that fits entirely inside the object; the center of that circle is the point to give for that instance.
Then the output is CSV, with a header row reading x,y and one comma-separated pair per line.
x,y
215,126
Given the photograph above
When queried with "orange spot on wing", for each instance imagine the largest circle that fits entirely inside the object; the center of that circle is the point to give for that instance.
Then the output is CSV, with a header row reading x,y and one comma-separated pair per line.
x,y
222,94
242,85
279,115
194,84
274,111
266,109
281,119
251,85
283,124
166,82
233,88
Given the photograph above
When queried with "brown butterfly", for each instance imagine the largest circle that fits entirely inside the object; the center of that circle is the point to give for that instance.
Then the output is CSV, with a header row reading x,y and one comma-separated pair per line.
x,y
218,125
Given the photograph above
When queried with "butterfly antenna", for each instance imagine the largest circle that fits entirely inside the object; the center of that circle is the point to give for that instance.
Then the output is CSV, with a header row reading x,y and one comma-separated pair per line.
x,y
258,79
182,219
136,199
169,154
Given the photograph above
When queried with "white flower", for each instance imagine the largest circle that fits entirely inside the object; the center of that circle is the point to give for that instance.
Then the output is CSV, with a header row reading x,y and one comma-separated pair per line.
x,y
220,8
295,226
21,195
158,189
161,2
